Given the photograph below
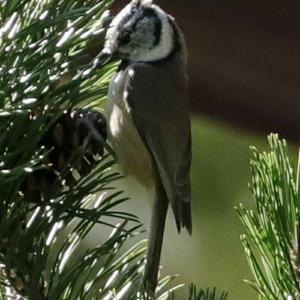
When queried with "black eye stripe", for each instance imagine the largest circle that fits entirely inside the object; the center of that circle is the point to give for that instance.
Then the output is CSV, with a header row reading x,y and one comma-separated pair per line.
x,y
124,38
157,31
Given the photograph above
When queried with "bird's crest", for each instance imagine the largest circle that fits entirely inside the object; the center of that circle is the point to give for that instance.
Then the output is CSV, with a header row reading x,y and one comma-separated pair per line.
x,y
142,2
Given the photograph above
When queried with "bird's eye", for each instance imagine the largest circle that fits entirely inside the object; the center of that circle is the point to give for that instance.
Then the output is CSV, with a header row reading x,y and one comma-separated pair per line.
x,y
124,38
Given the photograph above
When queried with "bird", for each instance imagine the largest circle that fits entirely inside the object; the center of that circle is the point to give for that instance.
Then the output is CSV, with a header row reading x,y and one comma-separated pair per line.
x,y
148,115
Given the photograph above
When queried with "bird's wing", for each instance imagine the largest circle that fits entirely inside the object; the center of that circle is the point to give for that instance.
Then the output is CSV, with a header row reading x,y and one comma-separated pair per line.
x,y
158,100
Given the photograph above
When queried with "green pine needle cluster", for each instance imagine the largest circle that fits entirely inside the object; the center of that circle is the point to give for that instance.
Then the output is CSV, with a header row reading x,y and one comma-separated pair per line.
x,y
272,239
208,294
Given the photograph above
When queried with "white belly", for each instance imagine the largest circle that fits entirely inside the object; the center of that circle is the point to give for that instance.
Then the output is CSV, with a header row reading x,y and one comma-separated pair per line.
x,y
132,155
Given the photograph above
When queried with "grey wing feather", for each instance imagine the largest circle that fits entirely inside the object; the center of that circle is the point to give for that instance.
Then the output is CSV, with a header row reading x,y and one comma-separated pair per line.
x,y
164,126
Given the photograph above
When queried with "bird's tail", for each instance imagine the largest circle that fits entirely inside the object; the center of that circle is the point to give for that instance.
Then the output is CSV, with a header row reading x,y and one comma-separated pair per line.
x,y
157,228
184,216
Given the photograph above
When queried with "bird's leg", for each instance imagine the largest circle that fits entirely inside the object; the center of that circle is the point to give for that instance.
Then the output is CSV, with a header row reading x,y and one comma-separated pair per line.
x,y
157,227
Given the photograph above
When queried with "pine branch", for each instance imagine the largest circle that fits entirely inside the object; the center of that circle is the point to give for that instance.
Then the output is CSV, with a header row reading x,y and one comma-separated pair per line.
x,y
272,239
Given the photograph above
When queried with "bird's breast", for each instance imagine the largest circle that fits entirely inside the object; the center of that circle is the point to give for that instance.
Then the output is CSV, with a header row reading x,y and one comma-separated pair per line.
x,y
133,157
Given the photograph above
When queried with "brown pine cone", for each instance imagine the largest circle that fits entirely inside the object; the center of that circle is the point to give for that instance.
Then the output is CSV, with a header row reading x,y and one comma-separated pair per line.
x,y
74,142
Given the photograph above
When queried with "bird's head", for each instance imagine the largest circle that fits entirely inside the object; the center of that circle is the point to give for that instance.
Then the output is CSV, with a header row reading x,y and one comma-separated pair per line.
x,y
140,32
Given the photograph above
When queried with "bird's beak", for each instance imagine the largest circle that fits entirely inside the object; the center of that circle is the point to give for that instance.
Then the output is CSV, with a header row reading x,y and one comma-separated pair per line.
x,y
104,57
